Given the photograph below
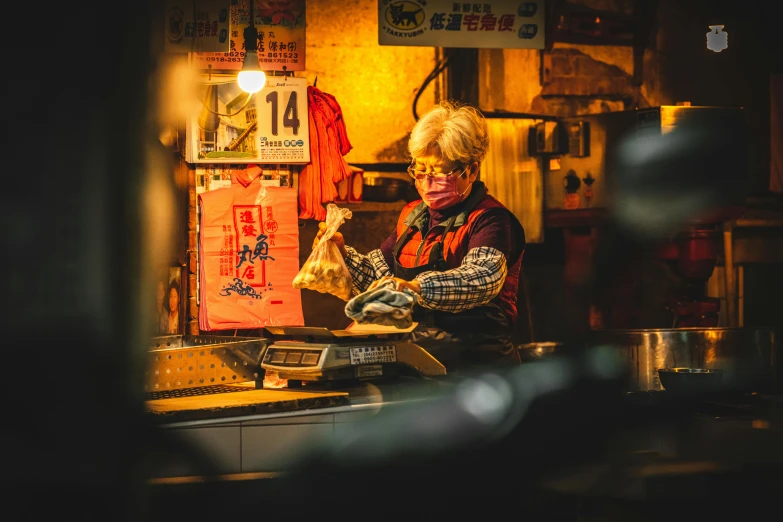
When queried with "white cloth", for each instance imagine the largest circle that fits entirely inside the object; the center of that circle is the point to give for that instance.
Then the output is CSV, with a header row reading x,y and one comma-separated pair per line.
x,y
382,305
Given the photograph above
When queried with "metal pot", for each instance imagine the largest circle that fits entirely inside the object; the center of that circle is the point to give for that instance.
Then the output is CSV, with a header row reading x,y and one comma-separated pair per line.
x,y
747,356
386,186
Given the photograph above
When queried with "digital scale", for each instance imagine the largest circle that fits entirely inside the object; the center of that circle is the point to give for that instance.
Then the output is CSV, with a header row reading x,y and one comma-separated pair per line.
x,y
320,354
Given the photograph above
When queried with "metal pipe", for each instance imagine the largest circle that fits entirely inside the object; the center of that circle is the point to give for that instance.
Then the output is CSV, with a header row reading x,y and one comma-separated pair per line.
x,y
728,263
740,296
758,222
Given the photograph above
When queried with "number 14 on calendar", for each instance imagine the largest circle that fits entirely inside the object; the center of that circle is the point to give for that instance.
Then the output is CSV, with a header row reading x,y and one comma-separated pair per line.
x,y
283,132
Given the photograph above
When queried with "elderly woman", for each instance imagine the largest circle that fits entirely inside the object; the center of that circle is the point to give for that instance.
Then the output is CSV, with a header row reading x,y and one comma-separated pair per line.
x,y
458,248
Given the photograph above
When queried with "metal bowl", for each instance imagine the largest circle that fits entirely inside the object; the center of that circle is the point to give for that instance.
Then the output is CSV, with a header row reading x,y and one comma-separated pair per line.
x,y
690,380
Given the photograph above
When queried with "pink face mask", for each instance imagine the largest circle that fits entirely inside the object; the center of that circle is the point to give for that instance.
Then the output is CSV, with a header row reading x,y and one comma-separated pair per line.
x,y
439,192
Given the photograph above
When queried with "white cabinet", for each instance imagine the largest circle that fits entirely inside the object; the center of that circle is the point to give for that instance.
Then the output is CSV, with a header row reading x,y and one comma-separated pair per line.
x,y
218,446
275,448
264,444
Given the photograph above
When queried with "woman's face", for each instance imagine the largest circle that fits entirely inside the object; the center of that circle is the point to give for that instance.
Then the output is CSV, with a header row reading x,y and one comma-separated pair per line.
x,y
432,162
173,299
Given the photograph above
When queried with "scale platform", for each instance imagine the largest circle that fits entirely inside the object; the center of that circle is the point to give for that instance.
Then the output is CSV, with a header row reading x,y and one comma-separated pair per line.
x,y
320,354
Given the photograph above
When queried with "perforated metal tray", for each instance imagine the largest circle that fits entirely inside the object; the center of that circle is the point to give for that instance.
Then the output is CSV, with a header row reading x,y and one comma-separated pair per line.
x,y
177,362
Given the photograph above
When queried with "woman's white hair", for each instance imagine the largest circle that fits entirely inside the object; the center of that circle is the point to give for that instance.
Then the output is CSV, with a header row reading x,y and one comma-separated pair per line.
x,y
460,131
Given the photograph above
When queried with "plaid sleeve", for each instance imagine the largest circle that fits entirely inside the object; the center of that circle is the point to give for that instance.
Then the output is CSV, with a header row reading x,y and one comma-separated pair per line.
x,y
475,282
365,269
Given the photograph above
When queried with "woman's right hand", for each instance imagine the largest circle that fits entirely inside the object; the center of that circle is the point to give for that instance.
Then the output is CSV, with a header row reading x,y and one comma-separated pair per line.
x,y
337,238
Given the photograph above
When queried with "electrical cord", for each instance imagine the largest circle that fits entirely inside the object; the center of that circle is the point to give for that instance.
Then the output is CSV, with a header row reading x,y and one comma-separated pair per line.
x,y
244,104
225,123
439,68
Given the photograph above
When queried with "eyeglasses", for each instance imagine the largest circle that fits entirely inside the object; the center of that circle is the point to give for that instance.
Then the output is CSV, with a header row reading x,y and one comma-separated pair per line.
x,y
420,175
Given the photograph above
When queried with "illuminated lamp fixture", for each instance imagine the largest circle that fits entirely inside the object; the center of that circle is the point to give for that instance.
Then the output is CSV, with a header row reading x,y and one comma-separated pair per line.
x,y
251,78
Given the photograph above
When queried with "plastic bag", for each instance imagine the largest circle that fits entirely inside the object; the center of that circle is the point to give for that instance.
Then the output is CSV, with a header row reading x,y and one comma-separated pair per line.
x,y
325,270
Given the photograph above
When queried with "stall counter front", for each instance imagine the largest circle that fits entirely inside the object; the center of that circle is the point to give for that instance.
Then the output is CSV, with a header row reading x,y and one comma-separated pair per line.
x,y
248,430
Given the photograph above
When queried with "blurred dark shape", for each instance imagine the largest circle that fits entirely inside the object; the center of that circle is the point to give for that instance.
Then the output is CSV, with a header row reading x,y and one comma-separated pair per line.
x,y
492,435
665,182
74,268
553,440
672,188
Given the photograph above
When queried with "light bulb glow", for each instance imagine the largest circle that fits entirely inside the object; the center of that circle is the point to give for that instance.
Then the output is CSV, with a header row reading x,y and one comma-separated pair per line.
x,y
251,81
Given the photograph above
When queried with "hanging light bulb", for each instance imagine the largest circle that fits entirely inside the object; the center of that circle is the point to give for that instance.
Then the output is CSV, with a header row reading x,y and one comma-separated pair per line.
x,y
251,78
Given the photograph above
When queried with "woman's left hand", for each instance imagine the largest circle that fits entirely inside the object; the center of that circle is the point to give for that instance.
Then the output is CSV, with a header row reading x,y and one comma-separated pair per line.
x,y
399,284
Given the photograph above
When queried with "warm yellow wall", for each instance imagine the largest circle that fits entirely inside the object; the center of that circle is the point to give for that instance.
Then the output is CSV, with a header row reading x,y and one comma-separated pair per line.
x,y
375,85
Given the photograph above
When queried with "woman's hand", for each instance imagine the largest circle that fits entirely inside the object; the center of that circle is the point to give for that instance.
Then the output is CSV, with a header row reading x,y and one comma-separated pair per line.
x,y
337,238
399,284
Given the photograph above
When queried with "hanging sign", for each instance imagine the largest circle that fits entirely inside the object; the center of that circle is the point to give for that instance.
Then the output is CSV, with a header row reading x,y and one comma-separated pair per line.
x,y
196,25
283,134
281,37
498,24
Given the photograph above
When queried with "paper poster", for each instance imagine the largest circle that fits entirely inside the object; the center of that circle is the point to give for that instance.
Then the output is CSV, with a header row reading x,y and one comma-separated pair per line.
x,y
197,26
281,37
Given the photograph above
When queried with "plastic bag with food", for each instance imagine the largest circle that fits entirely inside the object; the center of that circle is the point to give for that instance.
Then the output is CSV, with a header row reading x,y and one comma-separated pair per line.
x,y
325,270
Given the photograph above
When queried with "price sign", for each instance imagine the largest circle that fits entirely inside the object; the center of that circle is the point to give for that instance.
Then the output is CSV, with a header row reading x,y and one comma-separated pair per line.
x,y
283,134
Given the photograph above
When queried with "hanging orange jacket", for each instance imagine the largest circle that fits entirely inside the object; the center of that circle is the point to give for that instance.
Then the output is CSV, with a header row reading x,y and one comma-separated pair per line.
x,y
328,144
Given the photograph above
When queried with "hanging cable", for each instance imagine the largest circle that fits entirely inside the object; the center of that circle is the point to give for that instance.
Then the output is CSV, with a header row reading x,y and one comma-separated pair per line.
x,y
439,68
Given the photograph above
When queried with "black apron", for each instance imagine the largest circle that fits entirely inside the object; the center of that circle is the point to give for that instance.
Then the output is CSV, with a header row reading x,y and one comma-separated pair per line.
x,y
472,338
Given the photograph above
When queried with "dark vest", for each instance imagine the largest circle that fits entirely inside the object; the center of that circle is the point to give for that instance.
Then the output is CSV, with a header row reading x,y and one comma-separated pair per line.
x,y
487,328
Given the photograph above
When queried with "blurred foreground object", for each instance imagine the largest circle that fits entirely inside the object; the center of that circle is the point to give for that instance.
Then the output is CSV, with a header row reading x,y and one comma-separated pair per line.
x,y
465,439
684,170
673,179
